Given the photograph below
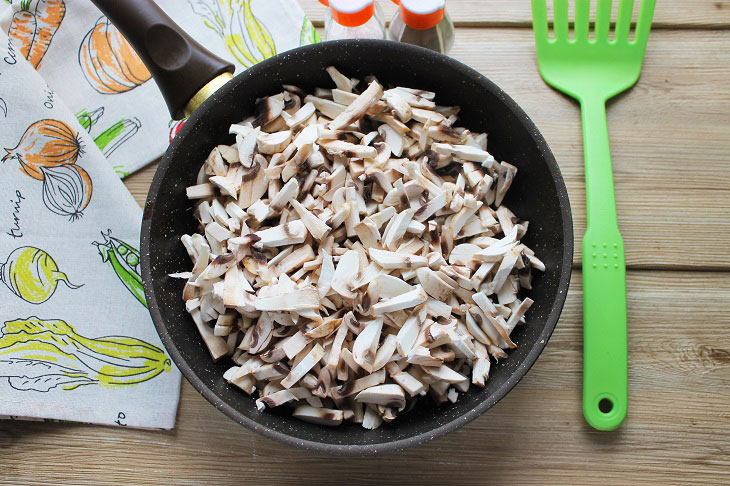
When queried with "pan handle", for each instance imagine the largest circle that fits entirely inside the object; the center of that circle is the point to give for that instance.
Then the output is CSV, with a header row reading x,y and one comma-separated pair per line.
x,y
184,70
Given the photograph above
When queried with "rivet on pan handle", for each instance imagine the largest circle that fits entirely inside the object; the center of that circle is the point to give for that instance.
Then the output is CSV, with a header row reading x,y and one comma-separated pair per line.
x,y
186,72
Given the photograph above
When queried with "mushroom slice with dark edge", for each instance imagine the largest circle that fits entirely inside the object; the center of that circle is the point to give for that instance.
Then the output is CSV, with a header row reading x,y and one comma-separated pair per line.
x,y
359,107
389,395
320,416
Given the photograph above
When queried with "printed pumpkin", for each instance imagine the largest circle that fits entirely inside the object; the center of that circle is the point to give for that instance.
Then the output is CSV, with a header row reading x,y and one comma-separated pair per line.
x,y
108,62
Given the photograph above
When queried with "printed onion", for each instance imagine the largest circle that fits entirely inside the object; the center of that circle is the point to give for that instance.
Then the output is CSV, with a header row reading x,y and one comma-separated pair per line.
x,y
66,190
46,143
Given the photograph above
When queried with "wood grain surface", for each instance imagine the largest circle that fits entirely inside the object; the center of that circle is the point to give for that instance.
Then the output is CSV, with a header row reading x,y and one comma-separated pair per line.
x,y
676,432
670,140
517,13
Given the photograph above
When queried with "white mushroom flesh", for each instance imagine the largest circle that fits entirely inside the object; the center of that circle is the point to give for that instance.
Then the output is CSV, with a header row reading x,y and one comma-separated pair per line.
x,y
354,254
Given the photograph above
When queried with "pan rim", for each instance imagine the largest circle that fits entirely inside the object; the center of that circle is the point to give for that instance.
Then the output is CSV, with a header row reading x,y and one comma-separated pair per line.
x,y
420,438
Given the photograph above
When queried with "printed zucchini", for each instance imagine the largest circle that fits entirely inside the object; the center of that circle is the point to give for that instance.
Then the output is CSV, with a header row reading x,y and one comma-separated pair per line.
x,y
38,354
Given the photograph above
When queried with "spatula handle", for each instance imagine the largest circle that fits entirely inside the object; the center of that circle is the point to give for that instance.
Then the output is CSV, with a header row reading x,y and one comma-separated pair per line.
x,y
605,350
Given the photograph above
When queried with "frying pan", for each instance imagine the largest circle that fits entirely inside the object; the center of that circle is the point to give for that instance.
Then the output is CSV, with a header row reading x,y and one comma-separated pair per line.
x,y
185,71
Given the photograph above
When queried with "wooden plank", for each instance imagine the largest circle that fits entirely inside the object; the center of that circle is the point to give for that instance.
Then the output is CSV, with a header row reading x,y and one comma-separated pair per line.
x,y
482,13
676,432
669,140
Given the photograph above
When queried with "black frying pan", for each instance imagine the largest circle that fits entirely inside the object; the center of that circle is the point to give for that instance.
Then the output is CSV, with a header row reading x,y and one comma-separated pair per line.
x,y
181,67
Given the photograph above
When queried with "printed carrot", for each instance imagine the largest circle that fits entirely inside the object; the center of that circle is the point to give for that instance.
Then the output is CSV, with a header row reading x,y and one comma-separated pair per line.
x,y
124,259
23,28
49,15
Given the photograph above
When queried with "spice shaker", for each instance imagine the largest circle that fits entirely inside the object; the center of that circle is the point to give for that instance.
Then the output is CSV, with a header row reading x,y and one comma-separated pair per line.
x,y
353,19
424,23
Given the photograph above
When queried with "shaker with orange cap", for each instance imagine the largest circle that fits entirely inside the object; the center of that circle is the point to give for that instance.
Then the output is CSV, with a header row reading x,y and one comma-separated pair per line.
x,y
424,23
353,19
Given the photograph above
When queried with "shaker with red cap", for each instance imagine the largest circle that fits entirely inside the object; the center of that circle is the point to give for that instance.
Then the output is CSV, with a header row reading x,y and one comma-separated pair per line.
x,y
424,23
353,19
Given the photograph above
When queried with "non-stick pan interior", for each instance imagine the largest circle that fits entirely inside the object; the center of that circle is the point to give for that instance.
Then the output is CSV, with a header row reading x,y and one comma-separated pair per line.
x,y
537,195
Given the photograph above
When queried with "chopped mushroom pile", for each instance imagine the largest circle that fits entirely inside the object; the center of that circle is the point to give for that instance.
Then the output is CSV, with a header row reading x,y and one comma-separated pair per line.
x,y
354,253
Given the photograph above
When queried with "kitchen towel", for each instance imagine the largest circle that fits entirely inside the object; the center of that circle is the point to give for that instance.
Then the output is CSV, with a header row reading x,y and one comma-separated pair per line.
x,y
92,68
76,339
76,106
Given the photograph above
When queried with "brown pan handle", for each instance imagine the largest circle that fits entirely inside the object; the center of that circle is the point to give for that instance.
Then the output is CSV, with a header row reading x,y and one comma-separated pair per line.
x,y
185,71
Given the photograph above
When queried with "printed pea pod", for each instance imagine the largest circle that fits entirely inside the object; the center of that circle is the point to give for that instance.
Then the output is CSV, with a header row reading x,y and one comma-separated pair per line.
x,y
124,259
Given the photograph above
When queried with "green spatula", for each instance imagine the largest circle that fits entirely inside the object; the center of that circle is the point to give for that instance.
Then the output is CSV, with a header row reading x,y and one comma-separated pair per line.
x,y
592,71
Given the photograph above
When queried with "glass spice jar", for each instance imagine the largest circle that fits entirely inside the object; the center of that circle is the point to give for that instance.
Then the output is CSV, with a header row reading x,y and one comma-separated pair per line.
x,y
424,23
353,19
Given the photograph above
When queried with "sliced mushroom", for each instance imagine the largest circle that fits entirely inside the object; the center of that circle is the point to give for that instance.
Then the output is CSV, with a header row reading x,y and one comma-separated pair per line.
x,y
246,147
293,301
271,143
333,271
390,260
359,107
393,139
200,191
338,147
319,416
435,284
302,115
363,349
316,227
284,234
398,104
301,369
268,109
328,108
388,395
345,274
393,235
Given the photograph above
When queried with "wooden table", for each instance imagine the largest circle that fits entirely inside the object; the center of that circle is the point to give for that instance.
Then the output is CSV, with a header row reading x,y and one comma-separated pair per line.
x,y
670,139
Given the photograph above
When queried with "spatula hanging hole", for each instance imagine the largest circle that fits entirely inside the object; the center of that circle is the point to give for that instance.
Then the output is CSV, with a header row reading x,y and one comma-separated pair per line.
x,y
605,405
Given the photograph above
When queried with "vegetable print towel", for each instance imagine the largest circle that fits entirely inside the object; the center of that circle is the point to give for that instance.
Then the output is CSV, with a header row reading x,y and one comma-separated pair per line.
x,y
89,65
76,339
